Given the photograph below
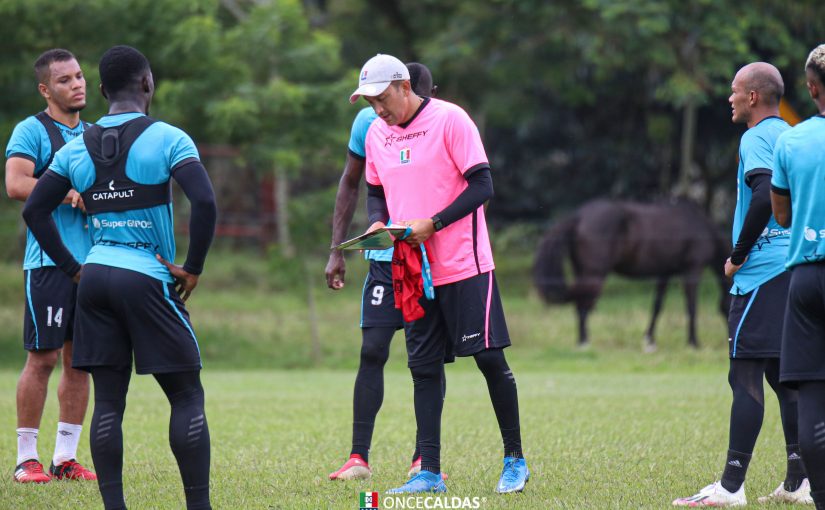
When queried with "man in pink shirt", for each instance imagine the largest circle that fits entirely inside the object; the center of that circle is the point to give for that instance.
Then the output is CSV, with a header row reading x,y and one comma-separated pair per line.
x,y
426,168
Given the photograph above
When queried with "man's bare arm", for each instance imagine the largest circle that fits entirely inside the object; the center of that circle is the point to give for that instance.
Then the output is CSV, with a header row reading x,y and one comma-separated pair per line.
x,y
346,200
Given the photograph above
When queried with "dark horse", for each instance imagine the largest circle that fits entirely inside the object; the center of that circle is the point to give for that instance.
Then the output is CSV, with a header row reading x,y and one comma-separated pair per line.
x,y
637,240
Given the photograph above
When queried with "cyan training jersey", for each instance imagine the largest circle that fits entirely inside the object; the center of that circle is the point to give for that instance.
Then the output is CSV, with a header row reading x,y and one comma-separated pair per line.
x,y
30,141
767,257
800,168
131,239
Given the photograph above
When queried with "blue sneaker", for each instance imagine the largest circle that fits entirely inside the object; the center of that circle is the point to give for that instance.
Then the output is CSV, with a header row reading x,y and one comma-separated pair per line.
x,y
514,476
424,481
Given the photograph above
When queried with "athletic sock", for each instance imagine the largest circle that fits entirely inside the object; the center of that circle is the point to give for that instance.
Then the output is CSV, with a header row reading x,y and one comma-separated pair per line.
x,y
796,469
26,445
65,446
501,385
736,468
819,499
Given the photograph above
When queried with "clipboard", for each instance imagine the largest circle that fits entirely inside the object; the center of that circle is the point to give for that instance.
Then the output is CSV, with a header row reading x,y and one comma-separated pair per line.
x,y
379,239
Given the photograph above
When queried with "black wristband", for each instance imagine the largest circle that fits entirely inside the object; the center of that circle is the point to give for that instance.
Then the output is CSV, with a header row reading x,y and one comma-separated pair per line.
x,y
437,223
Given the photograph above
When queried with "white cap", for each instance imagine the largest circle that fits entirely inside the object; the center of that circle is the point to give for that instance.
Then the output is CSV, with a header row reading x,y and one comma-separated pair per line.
x,y
377,74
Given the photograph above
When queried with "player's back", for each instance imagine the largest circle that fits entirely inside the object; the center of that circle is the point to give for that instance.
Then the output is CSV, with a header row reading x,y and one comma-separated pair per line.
x,y
801,169
128,231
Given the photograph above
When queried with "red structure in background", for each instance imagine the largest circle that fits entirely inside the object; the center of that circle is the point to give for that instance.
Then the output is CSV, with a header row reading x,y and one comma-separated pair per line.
x,y
246,199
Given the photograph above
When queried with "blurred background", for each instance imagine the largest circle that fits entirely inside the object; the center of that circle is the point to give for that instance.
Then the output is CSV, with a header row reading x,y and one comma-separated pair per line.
x,y
575,99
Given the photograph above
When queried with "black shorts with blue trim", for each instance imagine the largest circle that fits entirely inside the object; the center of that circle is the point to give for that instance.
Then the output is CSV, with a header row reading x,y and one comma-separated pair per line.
x,y
465,318
378,301
803,339
756,319
122,312
48,318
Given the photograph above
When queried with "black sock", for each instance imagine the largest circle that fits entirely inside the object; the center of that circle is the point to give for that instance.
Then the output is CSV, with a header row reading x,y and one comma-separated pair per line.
x,y
504,395
106,434
812,436
427,392
796,470
368,394
789,411
736,467
189,434
819,499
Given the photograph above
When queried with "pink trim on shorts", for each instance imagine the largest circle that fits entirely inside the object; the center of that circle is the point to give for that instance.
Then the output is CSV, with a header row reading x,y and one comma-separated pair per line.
x,y
487,312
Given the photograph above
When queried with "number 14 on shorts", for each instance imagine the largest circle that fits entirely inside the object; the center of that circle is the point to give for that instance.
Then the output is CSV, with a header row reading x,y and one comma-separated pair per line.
x,y
54,317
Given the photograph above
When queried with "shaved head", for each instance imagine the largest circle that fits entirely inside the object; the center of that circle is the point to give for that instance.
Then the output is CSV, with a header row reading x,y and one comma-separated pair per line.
x,y
764,79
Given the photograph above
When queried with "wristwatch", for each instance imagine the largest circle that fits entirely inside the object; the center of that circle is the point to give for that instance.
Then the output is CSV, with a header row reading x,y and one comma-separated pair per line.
x,y
437,223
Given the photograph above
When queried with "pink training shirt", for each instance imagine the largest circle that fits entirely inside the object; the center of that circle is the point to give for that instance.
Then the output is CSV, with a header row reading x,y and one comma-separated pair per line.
x,y
421,167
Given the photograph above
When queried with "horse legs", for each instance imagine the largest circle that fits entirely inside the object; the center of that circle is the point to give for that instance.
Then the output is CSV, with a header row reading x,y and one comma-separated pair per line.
x,y
691,291
585,292
658,299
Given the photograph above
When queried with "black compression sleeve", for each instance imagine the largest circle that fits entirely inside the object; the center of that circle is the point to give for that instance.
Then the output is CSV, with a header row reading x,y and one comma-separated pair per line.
x,y
47,194
194,181
478,191
377,204
759,212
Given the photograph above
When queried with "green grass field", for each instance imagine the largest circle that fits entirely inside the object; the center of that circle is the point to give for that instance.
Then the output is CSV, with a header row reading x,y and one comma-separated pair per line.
x,y
608,427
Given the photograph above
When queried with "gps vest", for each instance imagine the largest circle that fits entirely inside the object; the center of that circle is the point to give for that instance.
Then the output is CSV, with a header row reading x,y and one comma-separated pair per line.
x,y
55,139
112,190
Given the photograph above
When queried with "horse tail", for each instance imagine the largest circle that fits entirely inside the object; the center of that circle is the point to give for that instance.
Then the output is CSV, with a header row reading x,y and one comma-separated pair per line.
x,y
548,269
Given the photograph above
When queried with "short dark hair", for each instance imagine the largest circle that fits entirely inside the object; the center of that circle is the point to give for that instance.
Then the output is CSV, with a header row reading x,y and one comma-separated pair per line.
x,y
121,68
421,79
45,60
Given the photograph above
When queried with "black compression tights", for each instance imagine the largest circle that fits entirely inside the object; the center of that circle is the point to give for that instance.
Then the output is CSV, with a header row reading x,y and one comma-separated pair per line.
x,y
501,385
188,433
368,394
747,411
748,407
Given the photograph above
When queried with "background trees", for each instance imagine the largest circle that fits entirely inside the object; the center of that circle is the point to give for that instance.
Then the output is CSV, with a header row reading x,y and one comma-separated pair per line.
x,y
575,98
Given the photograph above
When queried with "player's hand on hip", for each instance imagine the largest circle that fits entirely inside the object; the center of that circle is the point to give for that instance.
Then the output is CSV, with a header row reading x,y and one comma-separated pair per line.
x,y
185,282
336,269
422,229
74,198
731,268
76,277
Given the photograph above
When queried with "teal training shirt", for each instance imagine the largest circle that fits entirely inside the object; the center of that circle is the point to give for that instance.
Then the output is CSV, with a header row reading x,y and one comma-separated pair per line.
x,y
358,134
30,141
767,257
799,159
130,239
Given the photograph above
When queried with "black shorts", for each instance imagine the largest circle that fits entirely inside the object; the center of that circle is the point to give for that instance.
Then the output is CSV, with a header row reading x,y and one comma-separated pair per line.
x,y
377,301
803,340
121,312
755,320
466,315
48,318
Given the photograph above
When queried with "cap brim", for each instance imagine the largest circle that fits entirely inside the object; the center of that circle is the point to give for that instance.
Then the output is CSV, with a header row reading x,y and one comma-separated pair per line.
x,y
369,89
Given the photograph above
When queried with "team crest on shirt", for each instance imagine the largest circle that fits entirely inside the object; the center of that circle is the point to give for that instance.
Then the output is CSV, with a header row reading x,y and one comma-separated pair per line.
x,y
405,155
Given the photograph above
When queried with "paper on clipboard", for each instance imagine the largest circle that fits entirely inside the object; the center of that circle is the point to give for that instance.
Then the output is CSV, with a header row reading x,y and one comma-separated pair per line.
x,y
378,239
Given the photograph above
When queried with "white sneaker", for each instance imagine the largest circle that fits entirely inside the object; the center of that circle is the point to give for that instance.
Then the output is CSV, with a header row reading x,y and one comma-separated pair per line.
x,y
802,495
714,495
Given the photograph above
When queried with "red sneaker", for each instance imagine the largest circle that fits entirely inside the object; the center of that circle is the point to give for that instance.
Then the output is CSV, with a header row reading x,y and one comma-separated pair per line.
x,y
415,468
70,470
353,469
30,471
